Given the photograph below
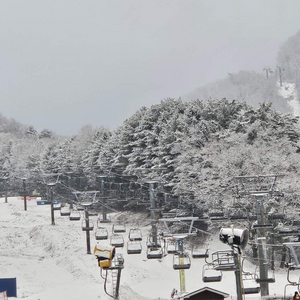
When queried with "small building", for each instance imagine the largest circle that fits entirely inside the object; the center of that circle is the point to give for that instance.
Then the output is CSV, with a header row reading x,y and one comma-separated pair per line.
x,y
206,293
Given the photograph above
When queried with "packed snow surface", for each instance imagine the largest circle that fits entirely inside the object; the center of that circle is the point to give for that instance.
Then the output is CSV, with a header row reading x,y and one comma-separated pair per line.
x,y
51,261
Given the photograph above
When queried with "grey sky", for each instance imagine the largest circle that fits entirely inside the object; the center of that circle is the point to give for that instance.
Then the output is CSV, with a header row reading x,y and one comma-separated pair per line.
x,y
69,63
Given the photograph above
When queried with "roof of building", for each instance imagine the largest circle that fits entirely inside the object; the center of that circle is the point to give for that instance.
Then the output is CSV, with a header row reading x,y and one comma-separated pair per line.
x,y
206,288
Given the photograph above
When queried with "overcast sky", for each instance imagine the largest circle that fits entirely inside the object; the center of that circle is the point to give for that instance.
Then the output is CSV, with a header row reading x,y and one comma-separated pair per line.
x,y
68,63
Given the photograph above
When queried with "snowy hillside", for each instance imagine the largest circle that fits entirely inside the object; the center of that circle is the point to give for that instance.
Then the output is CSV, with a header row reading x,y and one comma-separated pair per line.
x,y
50,262
289,92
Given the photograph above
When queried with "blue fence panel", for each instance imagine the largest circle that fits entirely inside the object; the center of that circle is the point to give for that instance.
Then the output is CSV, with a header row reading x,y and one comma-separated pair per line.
x,y
9,285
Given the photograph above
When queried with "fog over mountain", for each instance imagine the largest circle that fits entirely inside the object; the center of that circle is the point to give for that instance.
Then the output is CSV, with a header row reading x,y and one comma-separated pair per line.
x,y
66,64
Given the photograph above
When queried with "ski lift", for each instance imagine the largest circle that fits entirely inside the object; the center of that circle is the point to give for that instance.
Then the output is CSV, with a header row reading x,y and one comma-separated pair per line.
x,y
74,215
270,279
154,252
101,220
101,233
262,226
290,281
209,274
118,228
248,280
272,217
223,260
200,253
181,261
294,249
134,247
84,227
295,253
117,240
85,198
237,214
135,234
93,214
180,227
251,290
79,207
172,246
150,241
287,230
65,211
216,213
57,206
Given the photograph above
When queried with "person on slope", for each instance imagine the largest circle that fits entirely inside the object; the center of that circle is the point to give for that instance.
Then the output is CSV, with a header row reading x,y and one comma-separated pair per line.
x,y
296,296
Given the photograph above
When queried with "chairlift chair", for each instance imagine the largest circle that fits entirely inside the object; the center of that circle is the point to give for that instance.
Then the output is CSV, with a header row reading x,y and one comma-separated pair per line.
x,y
150,241
90,227
294,248
118,228
181,261
237,214
209,274
117,240
57,206
223,260
74,215
276,217
65,211
172,246
248,279
270,279
135,234
134,247
79,207
216,213
200,253
251,290
101,233
154,252
262,226
93,214
290,281
101,220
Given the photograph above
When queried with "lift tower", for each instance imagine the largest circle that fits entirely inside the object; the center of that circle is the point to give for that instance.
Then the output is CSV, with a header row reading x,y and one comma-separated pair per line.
x,y
87,199
260,186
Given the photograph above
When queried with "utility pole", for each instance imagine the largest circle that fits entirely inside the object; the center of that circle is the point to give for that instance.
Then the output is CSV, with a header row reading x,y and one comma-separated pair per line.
x,y
86,202
181,262
238,274
24,193
50,185
152,210
102,189
280,76
267,72
262,252
87,225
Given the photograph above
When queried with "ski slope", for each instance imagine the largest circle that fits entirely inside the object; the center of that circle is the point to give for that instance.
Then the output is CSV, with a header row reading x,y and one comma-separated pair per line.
x,y
289,92
50,262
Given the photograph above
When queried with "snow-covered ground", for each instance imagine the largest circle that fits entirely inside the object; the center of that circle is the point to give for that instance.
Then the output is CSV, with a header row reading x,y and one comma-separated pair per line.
x,y
289,91
50,262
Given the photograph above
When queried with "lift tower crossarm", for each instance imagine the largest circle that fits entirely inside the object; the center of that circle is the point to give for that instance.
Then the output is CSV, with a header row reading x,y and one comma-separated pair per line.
x,y
179,219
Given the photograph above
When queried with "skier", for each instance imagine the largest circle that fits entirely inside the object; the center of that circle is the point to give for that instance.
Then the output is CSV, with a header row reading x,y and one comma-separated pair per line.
x,y
296,296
